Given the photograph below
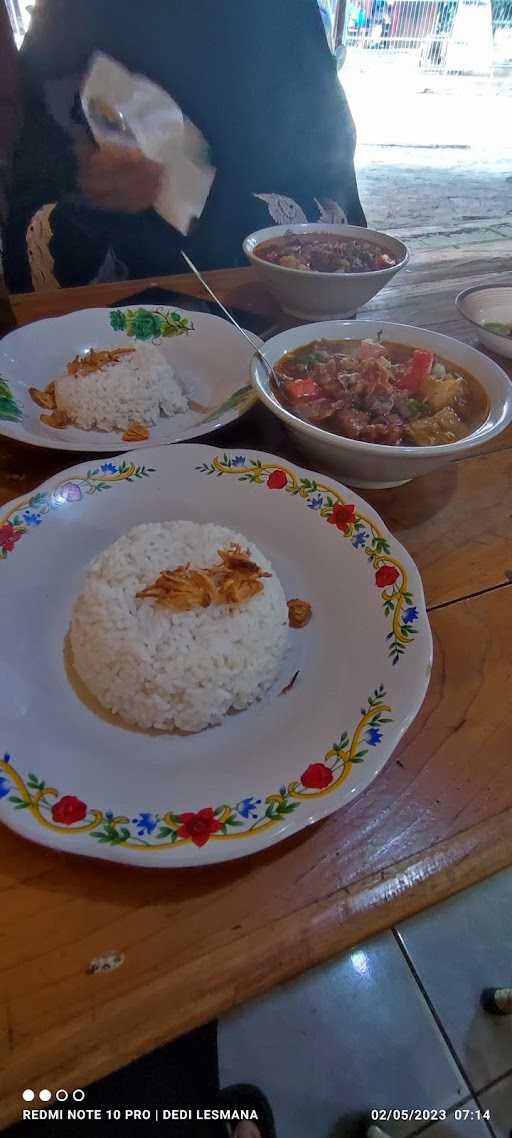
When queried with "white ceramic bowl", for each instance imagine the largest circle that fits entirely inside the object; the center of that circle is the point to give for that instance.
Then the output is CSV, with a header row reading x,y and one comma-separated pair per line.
x,y
371,464
324,296
488,302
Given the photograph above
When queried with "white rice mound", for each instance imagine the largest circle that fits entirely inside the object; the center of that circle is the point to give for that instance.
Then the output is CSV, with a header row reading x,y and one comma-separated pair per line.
x,y
164,669
137,389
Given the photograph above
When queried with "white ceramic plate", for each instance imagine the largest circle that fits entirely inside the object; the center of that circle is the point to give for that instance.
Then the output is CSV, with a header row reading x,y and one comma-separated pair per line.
x,y
76,782
207,352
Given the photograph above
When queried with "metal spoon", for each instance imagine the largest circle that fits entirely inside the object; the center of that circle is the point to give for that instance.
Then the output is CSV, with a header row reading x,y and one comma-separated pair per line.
x,y
257,350
109,119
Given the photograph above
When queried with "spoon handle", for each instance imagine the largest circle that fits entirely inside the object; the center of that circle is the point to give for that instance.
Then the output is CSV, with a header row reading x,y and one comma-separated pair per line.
x,y
227,313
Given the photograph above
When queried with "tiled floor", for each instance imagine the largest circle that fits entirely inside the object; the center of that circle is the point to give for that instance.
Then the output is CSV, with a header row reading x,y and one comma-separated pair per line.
x,y
457,949
469,1126
498,1100
403,186
454,236
394,1023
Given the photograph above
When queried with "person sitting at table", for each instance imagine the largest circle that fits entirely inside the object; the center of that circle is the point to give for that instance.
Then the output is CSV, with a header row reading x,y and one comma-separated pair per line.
x,y
9,104
256,77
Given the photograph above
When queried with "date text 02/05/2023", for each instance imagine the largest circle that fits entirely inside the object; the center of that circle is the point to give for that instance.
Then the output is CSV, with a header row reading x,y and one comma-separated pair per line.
x,y
418,1114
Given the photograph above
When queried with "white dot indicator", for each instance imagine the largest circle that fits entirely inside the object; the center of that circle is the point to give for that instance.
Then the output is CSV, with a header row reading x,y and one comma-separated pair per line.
x,y
62,1095
78,1095
45,1095
28,1095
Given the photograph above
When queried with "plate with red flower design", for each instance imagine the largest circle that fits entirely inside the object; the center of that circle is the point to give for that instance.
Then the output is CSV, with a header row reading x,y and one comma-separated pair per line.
x,y
350,682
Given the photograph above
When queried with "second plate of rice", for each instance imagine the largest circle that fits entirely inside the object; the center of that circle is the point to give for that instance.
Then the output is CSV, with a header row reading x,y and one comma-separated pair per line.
x,y
108,379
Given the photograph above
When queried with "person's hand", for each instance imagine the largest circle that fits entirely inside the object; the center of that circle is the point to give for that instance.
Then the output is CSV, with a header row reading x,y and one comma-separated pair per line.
x,y
119,179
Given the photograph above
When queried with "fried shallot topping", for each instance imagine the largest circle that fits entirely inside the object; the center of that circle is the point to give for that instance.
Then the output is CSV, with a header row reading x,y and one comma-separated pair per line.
x,y
234,580
299,613
93,360
135,433
44,397
55,419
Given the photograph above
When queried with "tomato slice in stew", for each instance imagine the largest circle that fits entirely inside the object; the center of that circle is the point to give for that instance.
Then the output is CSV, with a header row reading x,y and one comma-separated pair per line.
x,y
302,389
417,371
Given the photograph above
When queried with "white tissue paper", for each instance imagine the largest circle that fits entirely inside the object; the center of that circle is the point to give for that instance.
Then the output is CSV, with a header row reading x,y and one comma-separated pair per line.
x,y
129,110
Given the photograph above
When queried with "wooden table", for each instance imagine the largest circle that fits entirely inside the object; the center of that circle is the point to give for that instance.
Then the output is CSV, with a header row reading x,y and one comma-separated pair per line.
x,y
438,818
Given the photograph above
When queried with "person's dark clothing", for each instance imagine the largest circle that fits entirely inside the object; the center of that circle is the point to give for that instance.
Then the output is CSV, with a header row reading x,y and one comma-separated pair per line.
x,y
257,78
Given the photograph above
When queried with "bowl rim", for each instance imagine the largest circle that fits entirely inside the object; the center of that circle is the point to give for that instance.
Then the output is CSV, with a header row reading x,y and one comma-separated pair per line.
x,y
470,442
461,296
309,226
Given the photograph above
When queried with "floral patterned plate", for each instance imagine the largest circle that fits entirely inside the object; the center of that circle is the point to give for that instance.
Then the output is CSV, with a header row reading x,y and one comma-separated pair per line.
x,y
210,356
75,781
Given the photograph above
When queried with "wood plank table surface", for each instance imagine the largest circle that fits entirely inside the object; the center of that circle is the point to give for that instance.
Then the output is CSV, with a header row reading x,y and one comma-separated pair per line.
x,y
439,817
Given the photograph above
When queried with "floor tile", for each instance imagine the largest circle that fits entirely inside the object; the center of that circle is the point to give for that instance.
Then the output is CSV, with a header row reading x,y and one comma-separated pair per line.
x,y
469,1126
458,948
353,1034
504,229
498,1099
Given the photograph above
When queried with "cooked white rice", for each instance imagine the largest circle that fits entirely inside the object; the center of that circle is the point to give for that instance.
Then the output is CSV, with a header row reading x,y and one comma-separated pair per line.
x,y
164,669
137,389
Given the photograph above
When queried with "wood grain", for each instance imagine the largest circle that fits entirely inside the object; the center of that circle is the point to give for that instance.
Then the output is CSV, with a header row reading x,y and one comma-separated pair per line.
x,y
456,525
438,818
229,283
198,942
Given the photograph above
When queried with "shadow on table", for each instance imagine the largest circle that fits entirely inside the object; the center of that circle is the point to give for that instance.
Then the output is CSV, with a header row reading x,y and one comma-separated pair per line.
x,y
93,879
405,507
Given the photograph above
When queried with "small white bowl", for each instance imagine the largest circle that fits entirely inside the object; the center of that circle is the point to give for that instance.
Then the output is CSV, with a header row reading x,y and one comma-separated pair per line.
x,y
488,302
324,296
372,464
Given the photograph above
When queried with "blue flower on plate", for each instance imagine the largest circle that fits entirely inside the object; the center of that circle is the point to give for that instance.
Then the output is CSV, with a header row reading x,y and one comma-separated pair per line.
x,y
31,519
316,502
109,815
410,615
146,823
373,736
360,539
6,757
238,460
5,786
108,468
247,808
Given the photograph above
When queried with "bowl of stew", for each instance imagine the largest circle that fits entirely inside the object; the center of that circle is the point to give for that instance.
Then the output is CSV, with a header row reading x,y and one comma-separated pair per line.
x,y
379,403
322,272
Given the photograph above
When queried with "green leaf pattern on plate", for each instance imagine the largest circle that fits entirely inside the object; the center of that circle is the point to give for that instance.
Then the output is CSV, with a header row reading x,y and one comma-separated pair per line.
x,y
150,323
9,410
